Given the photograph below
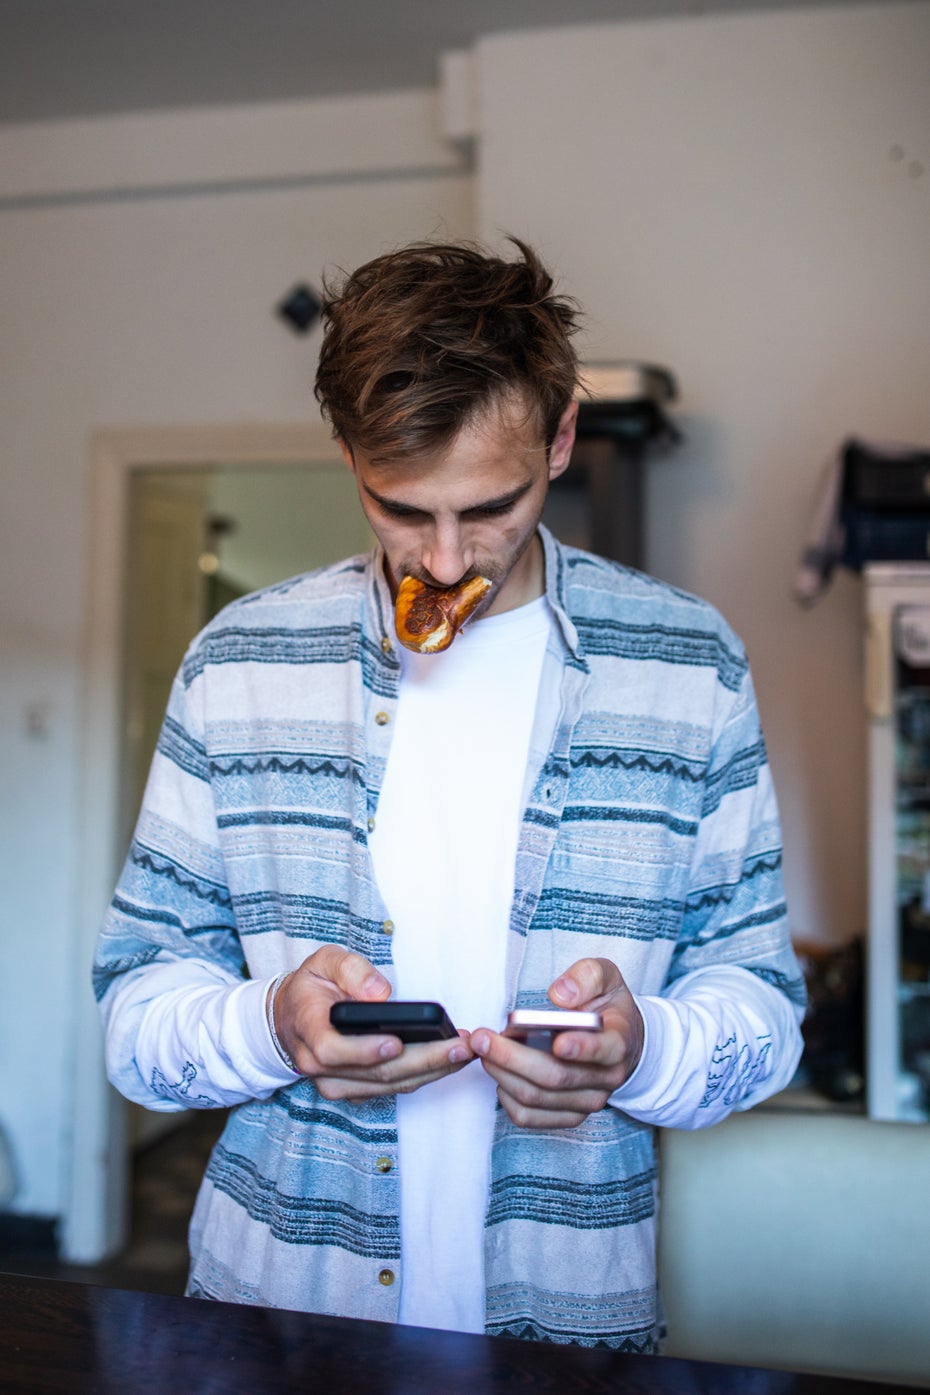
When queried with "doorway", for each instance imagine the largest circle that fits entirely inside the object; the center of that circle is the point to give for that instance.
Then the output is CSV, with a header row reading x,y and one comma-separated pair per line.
x,y
199,537
183,520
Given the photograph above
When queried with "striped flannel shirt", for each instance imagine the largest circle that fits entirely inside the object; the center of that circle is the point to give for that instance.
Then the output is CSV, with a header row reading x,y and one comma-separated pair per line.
x,y
650,836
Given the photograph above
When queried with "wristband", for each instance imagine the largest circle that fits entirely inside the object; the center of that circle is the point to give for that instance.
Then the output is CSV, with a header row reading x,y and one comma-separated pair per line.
x,y
271,1027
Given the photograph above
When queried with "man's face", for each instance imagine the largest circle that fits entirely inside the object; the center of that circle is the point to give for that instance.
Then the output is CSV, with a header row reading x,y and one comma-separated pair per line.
x,y
471,511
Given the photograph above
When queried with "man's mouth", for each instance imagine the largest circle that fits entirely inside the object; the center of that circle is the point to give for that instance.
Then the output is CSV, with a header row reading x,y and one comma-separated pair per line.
x,y
427,618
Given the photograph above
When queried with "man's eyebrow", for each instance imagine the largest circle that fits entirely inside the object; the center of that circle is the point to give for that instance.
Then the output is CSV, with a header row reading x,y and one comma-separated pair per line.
x,y
501,501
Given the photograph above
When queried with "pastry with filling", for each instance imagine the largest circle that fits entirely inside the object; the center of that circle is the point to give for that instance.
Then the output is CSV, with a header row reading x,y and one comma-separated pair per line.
x,y
427,619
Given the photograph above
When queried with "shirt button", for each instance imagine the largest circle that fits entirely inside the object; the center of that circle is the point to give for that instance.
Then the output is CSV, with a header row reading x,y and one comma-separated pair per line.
x,y
385,645
383,1164
387,927
371,825
382,719
386,1277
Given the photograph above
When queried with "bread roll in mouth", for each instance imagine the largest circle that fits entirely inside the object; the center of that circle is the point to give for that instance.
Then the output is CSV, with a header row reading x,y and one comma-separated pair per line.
x,y
427,618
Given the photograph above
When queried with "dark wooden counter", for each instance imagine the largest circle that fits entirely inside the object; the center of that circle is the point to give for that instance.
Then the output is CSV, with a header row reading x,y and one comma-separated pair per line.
x,y
64,1337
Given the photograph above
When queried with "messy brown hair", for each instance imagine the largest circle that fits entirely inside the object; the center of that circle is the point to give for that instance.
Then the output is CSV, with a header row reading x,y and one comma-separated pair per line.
x,y
420,342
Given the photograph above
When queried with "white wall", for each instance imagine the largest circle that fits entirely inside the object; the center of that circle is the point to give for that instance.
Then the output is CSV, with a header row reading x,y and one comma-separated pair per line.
x,y
726,195
141,259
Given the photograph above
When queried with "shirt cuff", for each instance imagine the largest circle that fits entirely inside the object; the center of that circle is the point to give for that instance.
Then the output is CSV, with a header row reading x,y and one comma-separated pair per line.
x,y
248,1005
647,1085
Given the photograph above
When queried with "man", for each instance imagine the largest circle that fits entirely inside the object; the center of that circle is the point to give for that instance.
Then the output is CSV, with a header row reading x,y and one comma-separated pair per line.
x,y
569,807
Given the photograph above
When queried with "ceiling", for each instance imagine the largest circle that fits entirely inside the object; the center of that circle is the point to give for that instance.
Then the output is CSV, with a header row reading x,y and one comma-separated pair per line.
x,y
66,58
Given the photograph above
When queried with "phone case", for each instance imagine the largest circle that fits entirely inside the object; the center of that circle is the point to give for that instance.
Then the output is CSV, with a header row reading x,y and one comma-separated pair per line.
x,y
412,1022
539,1027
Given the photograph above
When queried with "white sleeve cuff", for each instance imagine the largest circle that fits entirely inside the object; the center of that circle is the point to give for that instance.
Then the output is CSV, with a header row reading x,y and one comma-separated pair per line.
x,y
257,1042
649,1082
722,1039
197,1044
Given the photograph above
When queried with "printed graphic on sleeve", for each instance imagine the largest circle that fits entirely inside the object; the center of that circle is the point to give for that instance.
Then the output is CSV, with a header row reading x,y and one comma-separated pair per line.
x,y
735,1070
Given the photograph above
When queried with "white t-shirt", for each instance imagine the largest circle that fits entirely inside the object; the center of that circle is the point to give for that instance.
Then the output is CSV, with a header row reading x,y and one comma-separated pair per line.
x,y
444,849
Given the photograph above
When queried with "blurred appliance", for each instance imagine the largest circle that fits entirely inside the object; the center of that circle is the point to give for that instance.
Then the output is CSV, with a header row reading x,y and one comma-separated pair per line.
x,y
872,505
884,504
598,503
897,605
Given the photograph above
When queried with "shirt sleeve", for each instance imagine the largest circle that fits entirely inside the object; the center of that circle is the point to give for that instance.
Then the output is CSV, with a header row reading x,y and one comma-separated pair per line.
x,y
185,1028
719,1040
724,1032
194,1040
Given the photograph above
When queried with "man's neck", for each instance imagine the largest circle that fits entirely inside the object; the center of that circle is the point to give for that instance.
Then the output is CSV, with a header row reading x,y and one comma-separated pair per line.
x,y
527,581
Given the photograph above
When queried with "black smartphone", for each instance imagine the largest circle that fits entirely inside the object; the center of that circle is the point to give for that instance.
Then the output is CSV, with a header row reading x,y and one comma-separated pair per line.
x,y
539,1028
410,1021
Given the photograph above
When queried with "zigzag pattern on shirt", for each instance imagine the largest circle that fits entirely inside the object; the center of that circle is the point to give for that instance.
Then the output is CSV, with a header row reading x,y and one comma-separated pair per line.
x,y
765,864
160,915
657,764
103,975
634,1343
793,988
740,772
608,638
177,745
286,765
602,1314
585,1205
715,934
766,915
303,1220
184,879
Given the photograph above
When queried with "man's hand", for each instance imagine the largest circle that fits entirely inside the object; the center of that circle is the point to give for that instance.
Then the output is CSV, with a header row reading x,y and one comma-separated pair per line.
x,y
352,1067
558,1091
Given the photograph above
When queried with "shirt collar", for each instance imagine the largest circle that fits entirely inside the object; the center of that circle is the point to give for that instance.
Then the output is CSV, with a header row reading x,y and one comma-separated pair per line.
x,y
557,590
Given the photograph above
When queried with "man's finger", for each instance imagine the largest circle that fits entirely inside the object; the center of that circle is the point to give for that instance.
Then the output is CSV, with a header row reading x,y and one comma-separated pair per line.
x,y
352,974
526,1118
585,982
372,1083
385,1058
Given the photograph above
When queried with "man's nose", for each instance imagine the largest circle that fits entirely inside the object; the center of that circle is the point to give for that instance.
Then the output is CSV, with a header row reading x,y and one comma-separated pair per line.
x,y
448,556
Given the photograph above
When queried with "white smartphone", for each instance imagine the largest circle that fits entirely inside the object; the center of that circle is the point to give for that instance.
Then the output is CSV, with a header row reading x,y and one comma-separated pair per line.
x,y
539,1027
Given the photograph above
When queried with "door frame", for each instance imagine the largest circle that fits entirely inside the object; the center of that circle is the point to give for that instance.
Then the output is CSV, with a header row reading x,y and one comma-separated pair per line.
x,y
94,1223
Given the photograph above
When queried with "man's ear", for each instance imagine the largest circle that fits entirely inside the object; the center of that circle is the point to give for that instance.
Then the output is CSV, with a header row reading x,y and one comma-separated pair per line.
x,y
560,452
347,455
